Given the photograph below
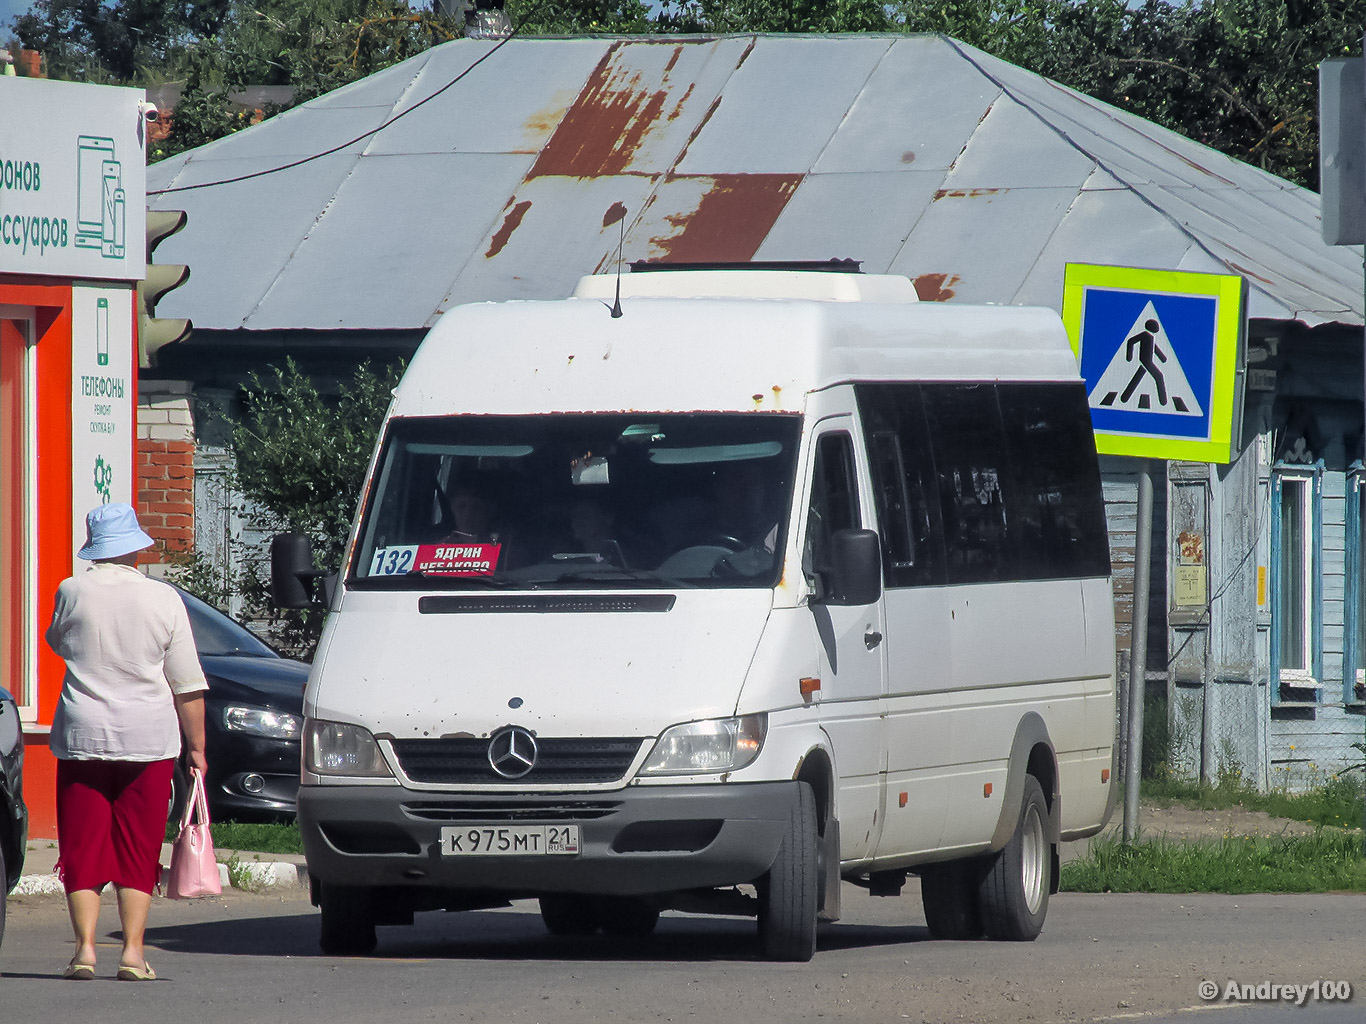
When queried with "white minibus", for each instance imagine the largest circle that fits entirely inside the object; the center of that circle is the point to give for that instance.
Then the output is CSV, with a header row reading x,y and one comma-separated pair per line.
x,y
710,598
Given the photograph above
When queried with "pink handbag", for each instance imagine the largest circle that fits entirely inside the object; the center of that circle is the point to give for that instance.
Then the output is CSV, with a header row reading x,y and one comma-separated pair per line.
x,y
194,869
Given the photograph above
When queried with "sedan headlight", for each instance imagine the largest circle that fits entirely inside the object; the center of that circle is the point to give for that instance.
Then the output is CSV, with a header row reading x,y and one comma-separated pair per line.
x,y
275,725
332,748
713,745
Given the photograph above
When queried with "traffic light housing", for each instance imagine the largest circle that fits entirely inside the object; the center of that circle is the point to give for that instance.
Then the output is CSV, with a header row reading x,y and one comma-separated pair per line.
x,y
153,332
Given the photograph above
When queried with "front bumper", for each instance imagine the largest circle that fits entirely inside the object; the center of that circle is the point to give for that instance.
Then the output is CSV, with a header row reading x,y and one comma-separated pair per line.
x,y
635,841
235,755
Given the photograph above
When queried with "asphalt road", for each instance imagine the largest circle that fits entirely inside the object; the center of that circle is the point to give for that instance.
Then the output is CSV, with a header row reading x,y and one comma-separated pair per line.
x,y
247,958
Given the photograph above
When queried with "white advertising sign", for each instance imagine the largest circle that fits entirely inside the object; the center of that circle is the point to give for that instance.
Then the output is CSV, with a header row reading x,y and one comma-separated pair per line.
x,y
73,180
102,396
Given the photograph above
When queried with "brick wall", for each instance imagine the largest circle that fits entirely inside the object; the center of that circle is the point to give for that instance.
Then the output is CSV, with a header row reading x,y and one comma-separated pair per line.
x,y
165,499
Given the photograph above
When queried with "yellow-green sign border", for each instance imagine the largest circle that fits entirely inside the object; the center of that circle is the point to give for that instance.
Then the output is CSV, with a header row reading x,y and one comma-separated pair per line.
x,y
1230,290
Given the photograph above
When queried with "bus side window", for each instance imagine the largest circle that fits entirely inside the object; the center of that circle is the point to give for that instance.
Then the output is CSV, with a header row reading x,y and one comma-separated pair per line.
x,y
834,498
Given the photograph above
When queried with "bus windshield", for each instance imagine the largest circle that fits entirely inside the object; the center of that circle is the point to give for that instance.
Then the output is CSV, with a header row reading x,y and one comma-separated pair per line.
x,y
616,501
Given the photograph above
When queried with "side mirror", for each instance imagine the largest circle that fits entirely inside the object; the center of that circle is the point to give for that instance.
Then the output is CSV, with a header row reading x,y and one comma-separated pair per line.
x,y
854,576
291,571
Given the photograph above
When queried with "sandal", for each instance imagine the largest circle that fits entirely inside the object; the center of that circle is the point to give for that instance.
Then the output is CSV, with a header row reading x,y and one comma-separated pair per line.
x,y
127,972
76,971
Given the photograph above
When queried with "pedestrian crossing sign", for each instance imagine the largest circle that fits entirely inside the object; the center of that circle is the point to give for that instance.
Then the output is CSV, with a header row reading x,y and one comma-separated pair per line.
x,y
1159,352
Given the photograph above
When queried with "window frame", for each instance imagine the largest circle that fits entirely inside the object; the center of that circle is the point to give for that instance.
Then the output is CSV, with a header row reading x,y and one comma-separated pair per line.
x,y
1354,601
1309,678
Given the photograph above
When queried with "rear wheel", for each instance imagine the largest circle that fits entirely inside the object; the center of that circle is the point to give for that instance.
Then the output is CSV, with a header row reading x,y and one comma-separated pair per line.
x,y
949,894
1013,896
627,915
789,893
565,914
4,888
348,920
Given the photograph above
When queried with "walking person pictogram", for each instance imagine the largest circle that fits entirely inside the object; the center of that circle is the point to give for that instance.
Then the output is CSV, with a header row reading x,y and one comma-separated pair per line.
x,y
1145,375
1147,350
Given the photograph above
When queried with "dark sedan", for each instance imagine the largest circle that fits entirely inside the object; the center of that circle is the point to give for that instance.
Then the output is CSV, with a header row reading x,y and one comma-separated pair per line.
x,y
253,719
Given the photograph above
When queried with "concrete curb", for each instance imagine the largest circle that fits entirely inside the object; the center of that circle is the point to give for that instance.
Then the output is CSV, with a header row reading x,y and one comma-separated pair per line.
x,y
248,875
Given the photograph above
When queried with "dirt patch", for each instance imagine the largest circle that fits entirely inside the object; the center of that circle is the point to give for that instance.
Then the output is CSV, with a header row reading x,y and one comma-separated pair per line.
x,y
1181,822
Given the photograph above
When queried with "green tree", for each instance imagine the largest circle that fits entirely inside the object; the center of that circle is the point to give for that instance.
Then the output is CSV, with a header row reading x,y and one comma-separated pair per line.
x,y
301,457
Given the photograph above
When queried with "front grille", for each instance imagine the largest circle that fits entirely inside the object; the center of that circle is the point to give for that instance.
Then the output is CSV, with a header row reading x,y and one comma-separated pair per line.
x,y
527,810
465,761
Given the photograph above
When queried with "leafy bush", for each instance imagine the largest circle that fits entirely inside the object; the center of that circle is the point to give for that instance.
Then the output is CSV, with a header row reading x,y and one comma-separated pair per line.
x,y
301,458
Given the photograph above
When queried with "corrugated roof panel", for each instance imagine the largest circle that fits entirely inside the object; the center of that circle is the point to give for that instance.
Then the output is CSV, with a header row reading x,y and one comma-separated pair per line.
x,y
239,237
783,104
548,234
915,112
860,216
395,283
509,104
979,246
716,218
1116,228
1283,249
639,107
383,88
1012,148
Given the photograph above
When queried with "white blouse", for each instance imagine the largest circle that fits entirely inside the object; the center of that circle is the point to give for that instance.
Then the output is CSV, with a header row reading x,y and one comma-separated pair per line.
x,y
128,649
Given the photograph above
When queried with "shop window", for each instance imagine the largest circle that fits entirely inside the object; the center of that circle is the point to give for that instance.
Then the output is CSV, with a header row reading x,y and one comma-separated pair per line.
x,y
1297,591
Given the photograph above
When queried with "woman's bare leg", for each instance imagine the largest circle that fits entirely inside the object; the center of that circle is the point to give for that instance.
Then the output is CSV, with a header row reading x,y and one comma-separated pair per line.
x,y
84,907
133,907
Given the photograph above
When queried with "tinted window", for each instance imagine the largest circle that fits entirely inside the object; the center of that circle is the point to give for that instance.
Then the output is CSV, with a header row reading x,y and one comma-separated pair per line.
x,y
970,464
216,634
904,484
834,498
1056,512
1001,482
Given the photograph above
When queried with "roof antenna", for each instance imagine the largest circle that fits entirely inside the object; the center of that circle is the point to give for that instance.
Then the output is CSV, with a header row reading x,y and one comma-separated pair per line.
x,y
616,213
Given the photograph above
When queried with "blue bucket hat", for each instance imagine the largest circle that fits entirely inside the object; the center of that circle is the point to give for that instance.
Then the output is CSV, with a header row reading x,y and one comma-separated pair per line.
x,y
112,530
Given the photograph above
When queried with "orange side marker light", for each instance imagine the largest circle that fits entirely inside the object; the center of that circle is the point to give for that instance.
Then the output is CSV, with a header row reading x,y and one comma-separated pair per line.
x,y
1105,775
809,686
986,789
901,800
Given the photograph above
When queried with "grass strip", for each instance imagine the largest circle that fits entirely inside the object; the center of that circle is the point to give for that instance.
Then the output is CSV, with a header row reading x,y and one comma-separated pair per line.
x,y
1327,861
1338,802
257,838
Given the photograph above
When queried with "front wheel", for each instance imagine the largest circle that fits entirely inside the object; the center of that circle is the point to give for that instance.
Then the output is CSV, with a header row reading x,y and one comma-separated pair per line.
x,y
1013,896
789,893
348,920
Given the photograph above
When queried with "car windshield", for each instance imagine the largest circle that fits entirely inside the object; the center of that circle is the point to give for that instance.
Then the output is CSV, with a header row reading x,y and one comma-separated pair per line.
x,y
617,501
217,635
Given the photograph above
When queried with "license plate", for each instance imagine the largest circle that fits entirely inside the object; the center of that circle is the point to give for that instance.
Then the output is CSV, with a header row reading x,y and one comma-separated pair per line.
x,y
509,840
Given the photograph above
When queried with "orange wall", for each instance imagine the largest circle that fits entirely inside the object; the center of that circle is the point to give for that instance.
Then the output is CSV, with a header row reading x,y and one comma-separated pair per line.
x,y
52,355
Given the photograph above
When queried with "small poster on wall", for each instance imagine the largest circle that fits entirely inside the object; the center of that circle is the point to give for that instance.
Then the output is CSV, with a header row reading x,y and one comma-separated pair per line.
x,y
103,387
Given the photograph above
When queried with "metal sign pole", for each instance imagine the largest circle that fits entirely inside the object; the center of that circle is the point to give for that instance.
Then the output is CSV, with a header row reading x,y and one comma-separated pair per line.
x,y
1138,648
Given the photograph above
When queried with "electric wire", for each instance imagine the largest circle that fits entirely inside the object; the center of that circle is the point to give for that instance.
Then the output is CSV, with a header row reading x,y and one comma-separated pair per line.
x,y
364,135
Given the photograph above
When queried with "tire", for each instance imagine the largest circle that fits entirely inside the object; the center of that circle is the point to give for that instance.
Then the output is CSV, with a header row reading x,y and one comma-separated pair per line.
x,y
949,894
565,914
4,889
1013,894
628,916
348,920
790,891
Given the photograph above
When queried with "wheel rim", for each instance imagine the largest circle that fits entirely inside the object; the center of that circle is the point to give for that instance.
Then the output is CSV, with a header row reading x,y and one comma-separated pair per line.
x,y
1032,852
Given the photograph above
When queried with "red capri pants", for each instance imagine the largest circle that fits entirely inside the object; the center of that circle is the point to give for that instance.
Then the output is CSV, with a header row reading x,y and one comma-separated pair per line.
x,y
111,822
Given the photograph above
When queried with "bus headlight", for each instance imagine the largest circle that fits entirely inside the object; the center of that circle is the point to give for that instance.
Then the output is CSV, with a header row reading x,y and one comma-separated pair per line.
x,y
712,745
333,748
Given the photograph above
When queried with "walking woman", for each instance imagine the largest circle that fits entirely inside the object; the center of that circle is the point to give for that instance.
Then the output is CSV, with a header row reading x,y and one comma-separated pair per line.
x,y
133,683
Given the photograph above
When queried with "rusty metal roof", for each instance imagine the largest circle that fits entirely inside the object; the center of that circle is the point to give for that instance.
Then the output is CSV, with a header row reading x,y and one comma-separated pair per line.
x,y
918,155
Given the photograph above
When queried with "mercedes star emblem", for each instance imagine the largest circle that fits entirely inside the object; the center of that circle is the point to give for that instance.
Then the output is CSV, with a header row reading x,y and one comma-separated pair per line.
x,y
512,752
